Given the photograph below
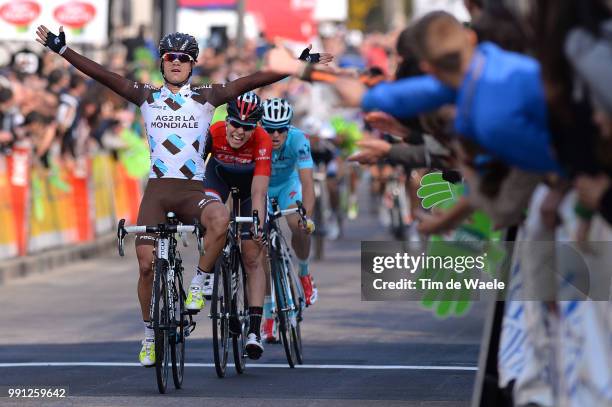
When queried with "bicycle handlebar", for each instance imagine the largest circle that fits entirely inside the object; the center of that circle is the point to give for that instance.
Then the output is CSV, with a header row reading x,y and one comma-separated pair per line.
x,y
162,228
157,229
277,213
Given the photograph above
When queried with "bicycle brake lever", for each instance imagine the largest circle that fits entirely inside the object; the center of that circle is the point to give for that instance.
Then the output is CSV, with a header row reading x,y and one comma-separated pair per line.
x,y
184,239
255,222
198,233
120,235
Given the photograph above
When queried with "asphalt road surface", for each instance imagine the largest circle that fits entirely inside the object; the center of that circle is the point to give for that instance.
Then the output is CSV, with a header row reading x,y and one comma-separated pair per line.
x,y
79,327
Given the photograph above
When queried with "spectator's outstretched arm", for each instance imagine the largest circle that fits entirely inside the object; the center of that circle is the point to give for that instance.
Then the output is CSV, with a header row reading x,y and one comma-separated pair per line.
x,y
221,94
408,97
404,98
123,87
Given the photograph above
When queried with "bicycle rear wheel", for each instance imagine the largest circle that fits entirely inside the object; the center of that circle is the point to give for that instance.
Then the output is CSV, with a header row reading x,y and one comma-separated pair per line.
x,y
160,325
219,310
240,311
177,344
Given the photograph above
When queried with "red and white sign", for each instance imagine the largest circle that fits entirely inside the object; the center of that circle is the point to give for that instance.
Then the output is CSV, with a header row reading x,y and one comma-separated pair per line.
x,y
20,14
75,14
85,21
292,20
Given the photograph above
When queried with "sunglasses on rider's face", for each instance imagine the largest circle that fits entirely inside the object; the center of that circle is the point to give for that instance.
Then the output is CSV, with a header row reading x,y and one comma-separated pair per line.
x,y
173,56
271,130
238,125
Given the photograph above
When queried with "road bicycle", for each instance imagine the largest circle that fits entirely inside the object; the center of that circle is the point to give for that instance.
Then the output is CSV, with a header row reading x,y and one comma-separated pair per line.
x,y
172,323
229,306
286,287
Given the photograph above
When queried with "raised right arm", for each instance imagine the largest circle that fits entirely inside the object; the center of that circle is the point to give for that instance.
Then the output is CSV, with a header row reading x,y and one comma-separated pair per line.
x,y
131,91
125,88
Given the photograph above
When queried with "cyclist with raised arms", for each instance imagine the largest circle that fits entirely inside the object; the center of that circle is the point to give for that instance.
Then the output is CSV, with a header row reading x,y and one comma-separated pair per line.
x,y
241,156
177,117
291,181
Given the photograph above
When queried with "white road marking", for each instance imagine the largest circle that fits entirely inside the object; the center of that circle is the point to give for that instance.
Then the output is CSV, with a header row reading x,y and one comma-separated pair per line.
x,y
250,366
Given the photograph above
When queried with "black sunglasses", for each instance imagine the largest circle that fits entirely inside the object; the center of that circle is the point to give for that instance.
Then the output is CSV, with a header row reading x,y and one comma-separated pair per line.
x,y
244,126
271,130
173,56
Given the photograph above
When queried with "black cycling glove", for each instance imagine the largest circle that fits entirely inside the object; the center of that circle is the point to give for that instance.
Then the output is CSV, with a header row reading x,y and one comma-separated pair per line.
x,y
56,43
308,57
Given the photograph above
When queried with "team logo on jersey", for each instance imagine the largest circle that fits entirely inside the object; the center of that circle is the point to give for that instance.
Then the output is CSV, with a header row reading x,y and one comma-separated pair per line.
x,y
188,169
159,168
262,151
174,143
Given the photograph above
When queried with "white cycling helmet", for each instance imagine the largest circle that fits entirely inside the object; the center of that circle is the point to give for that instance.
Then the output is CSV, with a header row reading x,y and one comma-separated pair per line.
x,y
277,113
313,126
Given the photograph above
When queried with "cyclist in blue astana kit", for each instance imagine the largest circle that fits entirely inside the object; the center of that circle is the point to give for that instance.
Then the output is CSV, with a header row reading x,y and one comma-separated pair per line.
x,y
177,117
291,181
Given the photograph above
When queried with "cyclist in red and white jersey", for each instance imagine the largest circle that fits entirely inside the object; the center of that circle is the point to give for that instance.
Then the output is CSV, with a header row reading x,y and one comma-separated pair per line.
x,y
241,157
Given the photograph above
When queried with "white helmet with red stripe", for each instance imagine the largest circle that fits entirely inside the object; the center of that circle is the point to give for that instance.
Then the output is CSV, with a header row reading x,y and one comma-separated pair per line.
x,y
246,108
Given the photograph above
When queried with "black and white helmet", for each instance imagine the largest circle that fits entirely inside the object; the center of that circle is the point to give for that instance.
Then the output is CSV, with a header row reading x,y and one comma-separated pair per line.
x,y
277,113
179,42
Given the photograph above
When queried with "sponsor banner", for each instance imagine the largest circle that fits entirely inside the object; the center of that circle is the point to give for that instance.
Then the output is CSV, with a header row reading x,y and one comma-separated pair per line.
x,y
44,231
127,194
19,182
102,184
85,21
8,236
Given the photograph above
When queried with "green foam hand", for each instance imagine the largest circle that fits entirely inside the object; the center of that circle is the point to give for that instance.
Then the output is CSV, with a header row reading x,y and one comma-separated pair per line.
x,y
435,190
474,237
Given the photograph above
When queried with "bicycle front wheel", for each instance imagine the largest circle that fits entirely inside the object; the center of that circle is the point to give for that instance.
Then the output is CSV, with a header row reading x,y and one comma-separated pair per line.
x,y
295,320
283,308
240,311
219,312
177,343
160,324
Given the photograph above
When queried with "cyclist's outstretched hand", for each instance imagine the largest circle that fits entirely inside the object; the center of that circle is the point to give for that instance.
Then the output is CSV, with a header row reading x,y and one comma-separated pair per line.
x,y
280,60
56,43
322,58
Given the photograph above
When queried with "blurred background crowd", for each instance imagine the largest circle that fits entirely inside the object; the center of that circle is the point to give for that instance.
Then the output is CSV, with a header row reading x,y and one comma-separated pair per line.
x,y
64,117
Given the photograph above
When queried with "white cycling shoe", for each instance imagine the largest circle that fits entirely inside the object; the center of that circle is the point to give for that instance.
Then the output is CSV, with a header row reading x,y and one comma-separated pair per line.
x,y
209,282
254,348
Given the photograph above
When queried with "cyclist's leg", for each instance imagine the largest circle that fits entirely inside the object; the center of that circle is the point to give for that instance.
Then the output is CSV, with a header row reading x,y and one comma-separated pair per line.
x,y
290,193
252,257
151,212
205,204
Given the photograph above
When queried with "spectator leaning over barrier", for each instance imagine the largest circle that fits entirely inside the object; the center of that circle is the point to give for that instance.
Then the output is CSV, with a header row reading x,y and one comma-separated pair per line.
x,y
475,77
